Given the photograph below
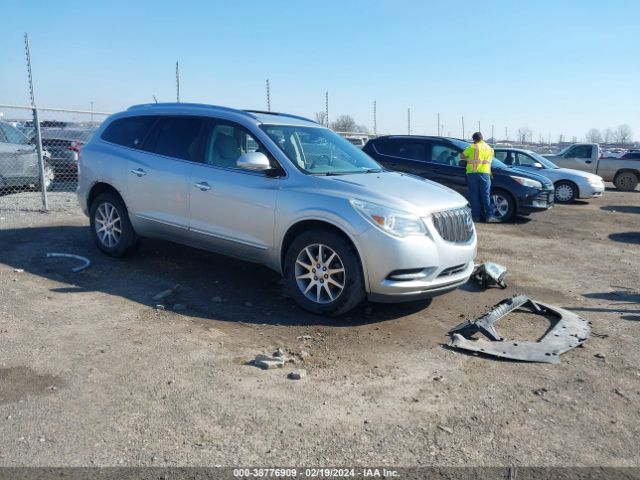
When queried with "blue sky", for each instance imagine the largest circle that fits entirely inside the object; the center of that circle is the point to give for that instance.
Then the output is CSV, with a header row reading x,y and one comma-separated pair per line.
x,y
552,66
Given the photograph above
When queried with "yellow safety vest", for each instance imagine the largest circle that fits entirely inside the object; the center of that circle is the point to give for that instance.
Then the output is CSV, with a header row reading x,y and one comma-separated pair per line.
x,y
479,156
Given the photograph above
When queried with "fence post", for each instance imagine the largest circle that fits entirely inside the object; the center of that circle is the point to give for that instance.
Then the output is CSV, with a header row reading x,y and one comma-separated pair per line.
x,y
36,123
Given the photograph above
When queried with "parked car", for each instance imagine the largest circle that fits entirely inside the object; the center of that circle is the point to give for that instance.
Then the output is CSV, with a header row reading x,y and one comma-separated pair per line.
x,y
19,165
631,155
624,173
513,191
64,144
278,190
357,140
569,184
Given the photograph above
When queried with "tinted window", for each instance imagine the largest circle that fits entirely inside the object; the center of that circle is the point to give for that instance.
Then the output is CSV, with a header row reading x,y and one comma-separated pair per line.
x,y
408,149
631,156
129,132
177,137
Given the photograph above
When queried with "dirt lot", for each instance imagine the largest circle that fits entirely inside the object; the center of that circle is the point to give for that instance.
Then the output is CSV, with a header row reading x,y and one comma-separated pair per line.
x,y
92,374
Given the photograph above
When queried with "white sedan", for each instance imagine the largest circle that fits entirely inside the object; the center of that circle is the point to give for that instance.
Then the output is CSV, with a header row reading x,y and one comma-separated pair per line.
x,y
569,184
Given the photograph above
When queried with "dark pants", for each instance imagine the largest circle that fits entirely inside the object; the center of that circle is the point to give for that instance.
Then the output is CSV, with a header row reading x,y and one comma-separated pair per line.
x,y
479,195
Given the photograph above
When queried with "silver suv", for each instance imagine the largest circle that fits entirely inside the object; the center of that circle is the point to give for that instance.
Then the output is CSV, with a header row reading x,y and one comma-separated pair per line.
x,y
279,190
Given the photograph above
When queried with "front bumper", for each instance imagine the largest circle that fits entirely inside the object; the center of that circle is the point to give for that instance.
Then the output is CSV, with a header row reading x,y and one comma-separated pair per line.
x,y
416,267
588,190
536,200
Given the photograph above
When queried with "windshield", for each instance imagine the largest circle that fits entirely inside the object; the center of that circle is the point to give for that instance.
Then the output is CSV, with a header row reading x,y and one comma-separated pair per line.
x,y
320,151
495,163
539,158
13,135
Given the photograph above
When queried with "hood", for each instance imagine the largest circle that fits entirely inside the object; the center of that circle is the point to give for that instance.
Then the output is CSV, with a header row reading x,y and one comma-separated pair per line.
x,y
577,173
394,190
526,174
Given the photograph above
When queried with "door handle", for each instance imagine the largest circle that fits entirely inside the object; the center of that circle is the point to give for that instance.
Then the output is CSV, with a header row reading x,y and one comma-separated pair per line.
x,y
203,186
139,172
588,161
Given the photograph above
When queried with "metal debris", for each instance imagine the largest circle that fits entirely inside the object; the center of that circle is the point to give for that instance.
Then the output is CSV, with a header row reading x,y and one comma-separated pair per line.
x,y
87,262
489,273
569,331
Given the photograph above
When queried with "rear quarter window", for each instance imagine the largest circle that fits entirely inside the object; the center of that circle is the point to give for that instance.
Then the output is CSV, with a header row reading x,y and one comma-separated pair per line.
x,y
130,131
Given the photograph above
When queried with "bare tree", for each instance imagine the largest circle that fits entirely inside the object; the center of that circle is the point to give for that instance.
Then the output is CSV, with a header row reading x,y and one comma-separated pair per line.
x,y
623,134
524,133
574,139
561,138
593,136
608,136
344,123
321,117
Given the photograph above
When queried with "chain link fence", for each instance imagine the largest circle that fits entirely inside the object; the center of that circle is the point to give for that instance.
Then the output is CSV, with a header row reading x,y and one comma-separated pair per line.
x,y
30,181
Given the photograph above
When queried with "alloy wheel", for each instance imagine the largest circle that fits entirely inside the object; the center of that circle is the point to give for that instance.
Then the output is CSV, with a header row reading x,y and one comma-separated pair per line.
x,y
108,225
320,273
500,205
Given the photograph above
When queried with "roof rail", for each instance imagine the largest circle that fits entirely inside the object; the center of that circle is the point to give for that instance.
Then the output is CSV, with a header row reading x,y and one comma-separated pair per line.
x,y
197,105
281,114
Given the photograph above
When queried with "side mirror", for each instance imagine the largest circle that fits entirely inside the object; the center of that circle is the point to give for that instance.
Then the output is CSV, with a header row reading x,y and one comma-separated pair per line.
x,y
256,161
462,163
537,165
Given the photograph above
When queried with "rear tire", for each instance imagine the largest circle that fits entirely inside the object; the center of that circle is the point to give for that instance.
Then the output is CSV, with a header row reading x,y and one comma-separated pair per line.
x,y
323,273
565,192
48,176
111,228
504,206
626,181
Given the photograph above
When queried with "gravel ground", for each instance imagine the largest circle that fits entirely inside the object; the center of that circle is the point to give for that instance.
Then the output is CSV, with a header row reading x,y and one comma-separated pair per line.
x,y
92,373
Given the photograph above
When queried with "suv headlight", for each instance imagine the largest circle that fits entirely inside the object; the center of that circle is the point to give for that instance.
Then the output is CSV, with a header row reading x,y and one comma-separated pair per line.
x,y
527,182
394,222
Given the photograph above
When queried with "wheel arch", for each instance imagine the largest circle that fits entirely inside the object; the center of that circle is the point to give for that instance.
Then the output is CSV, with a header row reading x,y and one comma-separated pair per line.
x,y
627,170
307,224
99,188
571,182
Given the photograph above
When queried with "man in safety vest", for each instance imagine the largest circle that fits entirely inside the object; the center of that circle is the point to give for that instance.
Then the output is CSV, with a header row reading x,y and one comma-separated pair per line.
x,y
478,157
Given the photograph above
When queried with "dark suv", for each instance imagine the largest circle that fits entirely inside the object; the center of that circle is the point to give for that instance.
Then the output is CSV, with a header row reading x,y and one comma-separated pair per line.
x,y
513,191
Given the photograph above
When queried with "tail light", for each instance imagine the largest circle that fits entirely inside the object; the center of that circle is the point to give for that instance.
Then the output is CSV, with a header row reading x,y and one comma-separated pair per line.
x,y
75,147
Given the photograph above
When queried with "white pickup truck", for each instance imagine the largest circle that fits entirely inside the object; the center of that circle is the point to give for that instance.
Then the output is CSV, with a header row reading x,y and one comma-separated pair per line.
x,y
624,173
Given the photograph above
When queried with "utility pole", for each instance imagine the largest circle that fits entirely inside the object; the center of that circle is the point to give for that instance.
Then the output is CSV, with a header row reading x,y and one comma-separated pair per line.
x,y
326,107
408,121
506,134
268,96
375,119
36,123
493,139
177,82
438,123
479,129
463,127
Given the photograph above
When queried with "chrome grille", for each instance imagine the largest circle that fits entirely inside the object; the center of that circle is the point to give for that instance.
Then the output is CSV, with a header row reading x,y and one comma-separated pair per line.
x,y
455,225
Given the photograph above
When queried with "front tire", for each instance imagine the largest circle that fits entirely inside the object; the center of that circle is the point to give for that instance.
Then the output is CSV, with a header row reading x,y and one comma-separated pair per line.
x,y
565,192
323,273
504,206
110,226
626,181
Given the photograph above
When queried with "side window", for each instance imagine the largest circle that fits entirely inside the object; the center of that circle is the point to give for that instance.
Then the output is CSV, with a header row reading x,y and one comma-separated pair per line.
x,y
177,137
13,135
445,155
130,131
582,151
225,143
3,139
502,156
524,160
386,147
